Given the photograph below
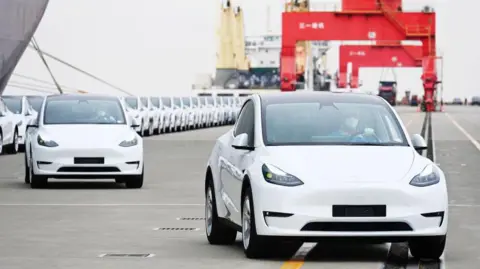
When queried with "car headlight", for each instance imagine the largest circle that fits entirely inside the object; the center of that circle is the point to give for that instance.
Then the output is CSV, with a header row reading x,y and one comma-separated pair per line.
x,y
129,143
429,176
276,176
46,143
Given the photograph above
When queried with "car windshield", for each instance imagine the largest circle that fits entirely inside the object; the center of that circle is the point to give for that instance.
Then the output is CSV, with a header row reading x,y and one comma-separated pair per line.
x,y
155,102
177,102
195,101
209,100
132,102
219,100
83,111
14,104
36,102
186,101
166,101
314,123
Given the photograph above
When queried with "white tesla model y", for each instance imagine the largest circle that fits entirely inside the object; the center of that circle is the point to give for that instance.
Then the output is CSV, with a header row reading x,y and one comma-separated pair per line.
x,y
320,165
82,137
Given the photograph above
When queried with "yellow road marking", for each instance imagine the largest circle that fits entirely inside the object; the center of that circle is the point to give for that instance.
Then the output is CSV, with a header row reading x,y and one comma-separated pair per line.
x,y
297,261
292,264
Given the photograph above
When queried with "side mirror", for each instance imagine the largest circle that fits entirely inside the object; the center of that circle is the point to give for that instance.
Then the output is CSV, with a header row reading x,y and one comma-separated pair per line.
x,y
241,142
32,126
419,143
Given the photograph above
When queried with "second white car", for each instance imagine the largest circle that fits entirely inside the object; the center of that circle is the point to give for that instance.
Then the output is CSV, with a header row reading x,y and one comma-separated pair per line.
x,y
83,137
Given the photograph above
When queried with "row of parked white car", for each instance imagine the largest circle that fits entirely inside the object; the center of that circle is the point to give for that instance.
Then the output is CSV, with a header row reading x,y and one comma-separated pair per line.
x,y
152,115
16,112
155,115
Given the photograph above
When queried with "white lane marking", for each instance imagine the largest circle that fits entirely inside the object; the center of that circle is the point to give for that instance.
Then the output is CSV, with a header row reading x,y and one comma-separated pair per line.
x,y
464,132
462,205
303,251
102,205
432,136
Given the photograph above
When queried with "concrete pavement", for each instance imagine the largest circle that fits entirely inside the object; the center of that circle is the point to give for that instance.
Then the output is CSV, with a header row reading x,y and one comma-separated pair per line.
x,y
69,225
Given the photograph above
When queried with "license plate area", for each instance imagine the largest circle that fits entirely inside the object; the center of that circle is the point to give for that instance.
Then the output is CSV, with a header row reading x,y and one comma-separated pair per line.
x,y
89,160
358,211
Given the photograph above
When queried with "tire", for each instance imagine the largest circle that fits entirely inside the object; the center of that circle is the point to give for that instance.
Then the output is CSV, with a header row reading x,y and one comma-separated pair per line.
x,y
13,148
1,142
37,182
27,172
217,232
254,245
135,182
431,247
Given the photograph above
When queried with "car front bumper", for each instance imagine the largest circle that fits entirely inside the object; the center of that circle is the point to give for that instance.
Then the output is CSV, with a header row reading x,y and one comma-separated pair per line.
x,y
307,212
59,163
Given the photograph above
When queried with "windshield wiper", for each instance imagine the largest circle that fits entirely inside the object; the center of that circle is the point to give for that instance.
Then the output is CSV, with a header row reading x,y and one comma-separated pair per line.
x,y
365,144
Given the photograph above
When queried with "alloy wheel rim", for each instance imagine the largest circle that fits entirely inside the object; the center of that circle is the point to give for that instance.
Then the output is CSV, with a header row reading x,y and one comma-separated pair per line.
x,y
246,223
209,212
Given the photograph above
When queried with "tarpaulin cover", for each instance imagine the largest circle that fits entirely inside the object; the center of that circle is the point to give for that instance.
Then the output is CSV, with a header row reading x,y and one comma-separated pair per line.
x,y
19,20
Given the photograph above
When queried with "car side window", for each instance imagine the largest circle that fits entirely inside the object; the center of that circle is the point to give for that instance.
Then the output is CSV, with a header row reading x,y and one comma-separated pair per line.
x,y
246,122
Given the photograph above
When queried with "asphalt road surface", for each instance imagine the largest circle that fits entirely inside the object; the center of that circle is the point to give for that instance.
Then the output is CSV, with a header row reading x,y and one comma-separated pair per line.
x,y
73,225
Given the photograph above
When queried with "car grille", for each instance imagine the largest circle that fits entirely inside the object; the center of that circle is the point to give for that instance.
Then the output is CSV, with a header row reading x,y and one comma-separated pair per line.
x,y
357,227
88,169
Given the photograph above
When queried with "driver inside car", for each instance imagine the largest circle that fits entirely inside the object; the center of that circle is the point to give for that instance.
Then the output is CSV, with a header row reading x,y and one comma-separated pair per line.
x,y
349,128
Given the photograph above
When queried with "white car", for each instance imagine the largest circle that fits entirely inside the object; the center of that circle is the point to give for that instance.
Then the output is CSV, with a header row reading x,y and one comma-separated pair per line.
x,y
8,130
178,114
152,115
219,111
312,165
23,112
161,117
212,111
168,117
83,137
199,115
138,112
189,112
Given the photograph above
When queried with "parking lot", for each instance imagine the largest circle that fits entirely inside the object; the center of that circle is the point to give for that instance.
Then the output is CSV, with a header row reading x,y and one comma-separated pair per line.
x,y
75,225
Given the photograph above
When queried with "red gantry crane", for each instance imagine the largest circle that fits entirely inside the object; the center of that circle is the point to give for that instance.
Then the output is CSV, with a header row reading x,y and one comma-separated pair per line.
x,y
382,54
370,20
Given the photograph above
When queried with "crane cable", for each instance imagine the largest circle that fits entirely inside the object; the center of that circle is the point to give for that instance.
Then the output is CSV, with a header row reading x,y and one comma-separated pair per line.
x,y
40,81
83,72
35,45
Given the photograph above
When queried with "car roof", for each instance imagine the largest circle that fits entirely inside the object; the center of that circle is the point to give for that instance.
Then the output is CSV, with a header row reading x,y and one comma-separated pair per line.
x,y
311,96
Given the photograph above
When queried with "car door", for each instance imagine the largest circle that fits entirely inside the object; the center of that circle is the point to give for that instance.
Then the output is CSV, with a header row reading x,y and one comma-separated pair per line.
x,y
238,159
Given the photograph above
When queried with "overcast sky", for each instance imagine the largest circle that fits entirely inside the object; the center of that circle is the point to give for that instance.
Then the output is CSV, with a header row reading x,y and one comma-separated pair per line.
x,y
153,47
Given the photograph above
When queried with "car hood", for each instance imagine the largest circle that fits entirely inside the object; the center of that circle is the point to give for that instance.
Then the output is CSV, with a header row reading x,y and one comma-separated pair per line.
x,y
87,135
343,163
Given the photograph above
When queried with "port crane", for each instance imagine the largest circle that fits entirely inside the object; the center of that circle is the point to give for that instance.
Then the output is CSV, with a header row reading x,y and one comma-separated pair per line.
x,y
365,20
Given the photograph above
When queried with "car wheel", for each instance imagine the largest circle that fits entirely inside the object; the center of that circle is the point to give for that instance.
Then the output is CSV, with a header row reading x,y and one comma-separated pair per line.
x,y
1,143
135,182
254,245
431,247
13,148
36,182
27,170
217,232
